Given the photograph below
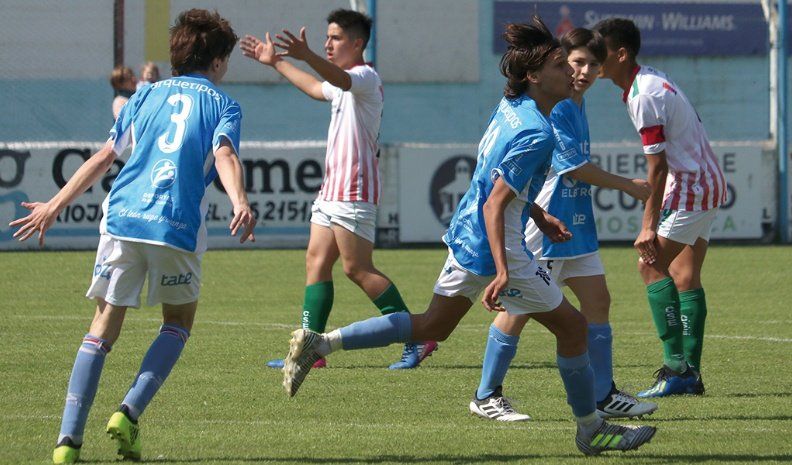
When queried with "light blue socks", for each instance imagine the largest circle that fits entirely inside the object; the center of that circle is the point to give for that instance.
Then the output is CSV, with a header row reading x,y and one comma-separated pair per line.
x,y
498,355
83,384
380,331
600,348
155,368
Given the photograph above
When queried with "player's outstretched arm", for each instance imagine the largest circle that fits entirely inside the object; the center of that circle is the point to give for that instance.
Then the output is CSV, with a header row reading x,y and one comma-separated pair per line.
x,y
550,226
596,176
43,214
298,49
230,171
657,166
494,207
264,52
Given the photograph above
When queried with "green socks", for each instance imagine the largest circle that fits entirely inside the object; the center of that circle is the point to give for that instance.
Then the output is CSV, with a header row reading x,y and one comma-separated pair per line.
x,y
319,301
390,301
664,303
693,307
317,305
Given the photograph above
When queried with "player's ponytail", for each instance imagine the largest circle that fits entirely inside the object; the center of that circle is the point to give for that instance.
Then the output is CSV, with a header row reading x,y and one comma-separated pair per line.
x,y
528,46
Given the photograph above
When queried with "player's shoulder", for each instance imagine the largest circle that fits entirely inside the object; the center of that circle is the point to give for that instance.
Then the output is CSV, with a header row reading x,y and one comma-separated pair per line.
x,y
565,110
365,72
652,83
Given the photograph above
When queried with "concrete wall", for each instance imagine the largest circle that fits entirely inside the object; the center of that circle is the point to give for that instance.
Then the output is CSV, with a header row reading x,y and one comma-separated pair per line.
x,y
441,77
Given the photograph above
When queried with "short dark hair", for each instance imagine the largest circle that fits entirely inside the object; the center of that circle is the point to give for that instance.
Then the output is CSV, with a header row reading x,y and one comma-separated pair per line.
x,y
528,47
585,38
354,23
198,37
621,32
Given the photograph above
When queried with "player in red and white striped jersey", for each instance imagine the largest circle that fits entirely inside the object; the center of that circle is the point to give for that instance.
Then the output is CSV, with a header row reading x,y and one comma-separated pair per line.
x,y
343,219
688,186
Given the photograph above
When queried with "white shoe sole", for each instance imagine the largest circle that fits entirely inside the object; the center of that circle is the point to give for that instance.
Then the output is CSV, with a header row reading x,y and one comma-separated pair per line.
x,y
474,410
289,365
606,415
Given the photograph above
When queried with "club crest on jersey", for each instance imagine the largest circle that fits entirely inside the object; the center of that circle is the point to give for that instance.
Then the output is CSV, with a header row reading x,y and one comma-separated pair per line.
x,y
163,175
569,181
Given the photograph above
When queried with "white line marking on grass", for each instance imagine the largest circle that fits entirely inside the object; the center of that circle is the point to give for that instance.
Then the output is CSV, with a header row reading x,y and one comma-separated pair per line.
x,y
542,425
159,320
466,327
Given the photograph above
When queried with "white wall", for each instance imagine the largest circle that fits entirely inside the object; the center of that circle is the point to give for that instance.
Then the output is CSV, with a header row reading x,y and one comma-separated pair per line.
x,y
49,39
418,40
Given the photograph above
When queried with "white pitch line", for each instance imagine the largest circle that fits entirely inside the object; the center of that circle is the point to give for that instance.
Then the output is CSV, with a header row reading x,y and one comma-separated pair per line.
x,y
532,331
536,425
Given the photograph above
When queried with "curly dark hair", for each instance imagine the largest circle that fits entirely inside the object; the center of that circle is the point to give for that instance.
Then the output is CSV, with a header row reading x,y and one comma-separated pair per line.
x,y
198,37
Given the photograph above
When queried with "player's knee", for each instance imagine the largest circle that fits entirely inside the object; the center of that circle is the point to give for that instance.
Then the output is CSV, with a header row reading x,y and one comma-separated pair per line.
x,y
426,328
355,272
684,280
573,334
597,310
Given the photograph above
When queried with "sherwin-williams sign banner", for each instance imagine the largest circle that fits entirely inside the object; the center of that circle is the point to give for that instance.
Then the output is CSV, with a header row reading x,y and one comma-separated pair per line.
x,y
667,28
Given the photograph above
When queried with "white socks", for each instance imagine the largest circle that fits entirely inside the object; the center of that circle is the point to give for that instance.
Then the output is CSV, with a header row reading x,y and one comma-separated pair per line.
x,y
330,343
589,423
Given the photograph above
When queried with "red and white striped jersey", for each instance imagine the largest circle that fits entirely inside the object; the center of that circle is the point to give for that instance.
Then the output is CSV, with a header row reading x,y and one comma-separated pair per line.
x,y
666,120
351,164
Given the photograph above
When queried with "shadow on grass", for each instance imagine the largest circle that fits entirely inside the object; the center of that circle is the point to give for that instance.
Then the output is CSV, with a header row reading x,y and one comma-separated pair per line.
x,y
486,458
724,417
751,395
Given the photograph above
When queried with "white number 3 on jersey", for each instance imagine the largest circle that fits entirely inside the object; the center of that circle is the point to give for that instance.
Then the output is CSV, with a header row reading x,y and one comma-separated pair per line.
x,y
181,124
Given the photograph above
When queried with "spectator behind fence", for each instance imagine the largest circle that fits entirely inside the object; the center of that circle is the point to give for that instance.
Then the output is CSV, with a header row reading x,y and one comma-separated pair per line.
x,y
149,74
124,84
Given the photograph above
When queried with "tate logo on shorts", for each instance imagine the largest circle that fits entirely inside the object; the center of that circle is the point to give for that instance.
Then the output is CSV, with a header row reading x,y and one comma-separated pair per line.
x,y
163,175
449,183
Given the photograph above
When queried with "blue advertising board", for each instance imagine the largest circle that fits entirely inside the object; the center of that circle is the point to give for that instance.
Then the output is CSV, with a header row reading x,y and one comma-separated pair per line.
x,y
667,28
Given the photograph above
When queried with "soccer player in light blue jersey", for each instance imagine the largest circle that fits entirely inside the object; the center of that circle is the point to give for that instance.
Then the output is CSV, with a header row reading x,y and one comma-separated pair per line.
x,y
566,195
487,250
184,132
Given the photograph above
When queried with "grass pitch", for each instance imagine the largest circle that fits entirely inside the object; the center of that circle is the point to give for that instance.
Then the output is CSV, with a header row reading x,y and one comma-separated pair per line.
x,y
222,405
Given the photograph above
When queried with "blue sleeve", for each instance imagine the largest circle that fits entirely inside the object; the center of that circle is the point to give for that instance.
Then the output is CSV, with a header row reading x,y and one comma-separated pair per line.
x,y
230,127
567,155
121,133
526,156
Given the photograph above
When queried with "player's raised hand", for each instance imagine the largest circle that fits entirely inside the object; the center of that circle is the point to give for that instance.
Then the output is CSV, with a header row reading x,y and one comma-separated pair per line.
x,y
493,290
645,245
293,46
261,51
641,190
245,219
41,218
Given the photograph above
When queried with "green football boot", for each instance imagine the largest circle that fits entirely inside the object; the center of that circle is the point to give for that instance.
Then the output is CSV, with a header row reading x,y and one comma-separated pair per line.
x,y
126,434
66,452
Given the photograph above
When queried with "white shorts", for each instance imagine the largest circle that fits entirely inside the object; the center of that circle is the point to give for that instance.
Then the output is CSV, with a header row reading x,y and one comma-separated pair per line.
x,y
530,289
686,227
565,268
359,218
174,277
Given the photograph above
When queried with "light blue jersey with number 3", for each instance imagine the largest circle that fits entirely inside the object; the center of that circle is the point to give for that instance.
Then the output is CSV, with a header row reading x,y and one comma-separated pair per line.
x,y
516,147
174,127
